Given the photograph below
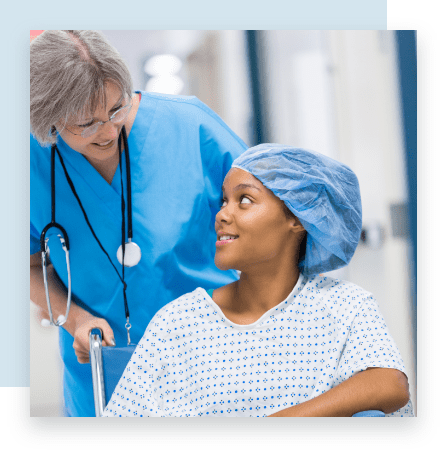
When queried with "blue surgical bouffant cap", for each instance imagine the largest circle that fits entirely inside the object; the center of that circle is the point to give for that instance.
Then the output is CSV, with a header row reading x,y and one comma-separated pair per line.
x,y
324,194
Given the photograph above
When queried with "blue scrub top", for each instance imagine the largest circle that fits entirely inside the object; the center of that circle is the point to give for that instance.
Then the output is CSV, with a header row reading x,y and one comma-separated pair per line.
x,y
180,152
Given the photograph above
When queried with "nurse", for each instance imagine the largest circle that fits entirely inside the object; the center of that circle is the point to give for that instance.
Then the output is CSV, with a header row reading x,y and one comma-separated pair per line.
x,y
81,99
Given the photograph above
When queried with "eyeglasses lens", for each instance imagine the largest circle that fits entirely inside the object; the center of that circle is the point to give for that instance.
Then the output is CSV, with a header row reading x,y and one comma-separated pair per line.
x,y
116,118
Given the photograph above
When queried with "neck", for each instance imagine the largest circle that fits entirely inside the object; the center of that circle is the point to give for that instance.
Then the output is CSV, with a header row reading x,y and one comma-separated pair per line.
x,y
257,293
106,168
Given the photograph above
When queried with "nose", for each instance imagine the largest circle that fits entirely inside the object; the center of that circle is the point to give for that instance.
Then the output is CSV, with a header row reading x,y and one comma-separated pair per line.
x,y
224,216
110,129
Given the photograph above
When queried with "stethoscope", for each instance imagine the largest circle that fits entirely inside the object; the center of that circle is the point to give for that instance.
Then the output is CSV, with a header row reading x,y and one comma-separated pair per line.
x,y
129,250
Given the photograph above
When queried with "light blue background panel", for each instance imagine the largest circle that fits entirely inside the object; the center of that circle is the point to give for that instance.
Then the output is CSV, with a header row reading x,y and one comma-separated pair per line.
x,y
175,15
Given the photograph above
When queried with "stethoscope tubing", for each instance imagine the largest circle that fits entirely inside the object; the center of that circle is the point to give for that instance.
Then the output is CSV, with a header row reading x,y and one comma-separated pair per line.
x,y
65,240
65,246
61,319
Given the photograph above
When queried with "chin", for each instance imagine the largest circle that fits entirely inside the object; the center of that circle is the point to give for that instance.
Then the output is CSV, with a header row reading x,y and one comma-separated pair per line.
x,y
224,265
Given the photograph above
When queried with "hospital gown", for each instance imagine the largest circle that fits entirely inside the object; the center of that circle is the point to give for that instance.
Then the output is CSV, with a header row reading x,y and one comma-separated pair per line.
x,y
180,152
193,361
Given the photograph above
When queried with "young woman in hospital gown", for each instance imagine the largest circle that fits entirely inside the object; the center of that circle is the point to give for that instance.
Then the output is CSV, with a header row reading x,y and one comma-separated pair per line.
x,y
284,340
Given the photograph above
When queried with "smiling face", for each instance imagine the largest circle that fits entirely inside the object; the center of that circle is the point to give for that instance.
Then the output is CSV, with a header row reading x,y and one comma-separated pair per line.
x,y
103,144
252,227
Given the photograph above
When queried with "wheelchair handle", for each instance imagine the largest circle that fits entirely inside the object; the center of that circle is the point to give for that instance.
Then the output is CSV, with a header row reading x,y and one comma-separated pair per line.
x,y
95,340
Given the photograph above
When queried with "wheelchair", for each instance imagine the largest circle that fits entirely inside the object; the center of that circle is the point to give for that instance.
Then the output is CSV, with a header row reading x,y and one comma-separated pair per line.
x,y
108,364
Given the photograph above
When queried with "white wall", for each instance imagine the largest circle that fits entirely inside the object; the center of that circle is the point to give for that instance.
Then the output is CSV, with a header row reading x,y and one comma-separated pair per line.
x,y
368,91
45,369
337,92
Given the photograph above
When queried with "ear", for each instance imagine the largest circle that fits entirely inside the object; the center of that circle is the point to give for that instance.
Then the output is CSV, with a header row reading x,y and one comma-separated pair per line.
x,y
295,225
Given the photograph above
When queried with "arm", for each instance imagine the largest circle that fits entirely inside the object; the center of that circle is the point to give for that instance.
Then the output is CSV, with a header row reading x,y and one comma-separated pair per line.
x,y
383,389
79,322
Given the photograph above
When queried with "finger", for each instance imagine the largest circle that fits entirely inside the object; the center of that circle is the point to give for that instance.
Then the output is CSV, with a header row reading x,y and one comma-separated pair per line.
x,y
83,360
107,334
81,345
82,354
112,342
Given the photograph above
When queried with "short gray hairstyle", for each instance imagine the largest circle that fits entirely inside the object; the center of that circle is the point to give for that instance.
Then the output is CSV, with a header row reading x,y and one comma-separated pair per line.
x,y
68,73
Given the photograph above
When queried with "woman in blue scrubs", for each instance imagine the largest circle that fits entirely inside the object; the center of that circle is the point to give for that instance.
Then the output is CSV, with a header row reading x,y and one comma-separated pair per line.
x,y
180,151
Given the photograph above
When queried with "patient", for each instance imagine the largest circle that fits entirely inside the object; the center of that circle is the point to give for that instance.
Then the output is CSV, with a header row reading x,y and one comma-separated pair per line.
x,y
283,340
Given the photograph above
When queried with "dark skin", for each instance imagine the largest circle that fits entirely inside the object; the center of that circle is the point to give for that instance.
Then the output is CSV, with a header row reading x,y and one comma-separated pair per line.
x,y
264,248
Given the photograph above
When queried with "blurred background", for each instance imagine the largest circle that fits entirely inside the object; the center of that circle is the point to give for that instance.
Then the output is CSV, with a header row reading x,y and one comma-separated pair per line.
x,y
350,95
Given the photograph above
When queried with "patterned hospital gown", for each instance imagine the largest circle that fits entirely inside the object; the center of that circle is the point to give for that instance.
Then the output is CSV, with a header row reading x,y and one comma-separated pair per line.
x,y
193,361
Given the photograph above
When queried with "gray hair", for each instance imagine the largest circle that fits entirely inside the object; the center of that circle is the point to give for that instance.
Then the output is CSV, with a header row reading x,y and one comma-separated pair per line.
x,y
68,73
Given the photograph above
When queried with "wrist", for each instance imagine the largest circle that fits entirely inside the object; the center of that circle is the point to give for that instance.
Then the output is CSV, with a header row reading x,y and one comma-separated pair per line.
x,y
77,317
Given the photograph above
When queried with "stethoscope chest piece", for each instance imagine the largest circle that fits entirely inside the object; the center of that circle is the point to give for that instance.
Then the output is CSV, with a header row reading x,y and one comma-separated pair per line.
x,y
132,254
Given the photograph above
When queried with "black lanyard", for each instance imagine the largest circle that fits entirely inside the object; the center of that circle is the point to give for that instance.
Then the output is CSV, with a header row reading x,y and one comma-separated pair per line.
x,y
55,149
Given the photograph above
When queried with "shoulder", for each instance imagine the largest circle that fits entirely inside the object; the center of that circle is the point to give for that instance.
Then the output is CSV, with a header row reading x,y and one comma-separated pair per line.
x,y
191,111
35,145
32,140
39,158
336,295
178,309
180,102
326,285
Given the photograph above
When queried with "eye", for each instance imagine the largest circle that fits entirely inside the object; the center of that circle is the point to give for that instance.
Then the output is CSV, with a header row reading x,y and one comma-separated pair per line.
x,y
114,110
223,204
245,199
87,124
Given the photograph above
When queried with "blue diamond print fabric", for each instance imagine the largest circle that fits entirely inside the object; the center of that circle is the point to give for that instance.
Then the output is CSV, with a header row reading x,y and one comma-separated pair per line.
x,y
192,361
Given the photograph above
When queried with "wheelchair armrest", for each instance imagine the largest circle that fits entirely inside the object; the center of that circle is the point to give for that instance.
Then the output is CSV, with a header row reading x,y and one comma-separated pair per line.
x,y
108,364
370,413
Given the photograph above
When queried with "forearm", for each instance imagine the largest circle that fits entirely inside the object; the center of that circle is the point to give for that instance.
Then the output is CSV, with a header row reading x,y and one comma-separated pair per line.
x,y
58,298
381,389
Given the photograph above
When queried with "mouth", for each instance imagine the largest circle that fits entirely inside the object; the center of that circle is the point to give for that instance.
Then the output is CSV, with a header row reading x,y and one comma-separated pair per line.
x,y
224,238
105,145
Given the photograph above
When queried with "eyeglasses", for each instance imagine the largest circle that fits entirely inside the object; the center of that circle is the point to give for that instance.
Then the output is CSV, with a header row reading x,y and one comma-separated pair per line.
x,y
88,130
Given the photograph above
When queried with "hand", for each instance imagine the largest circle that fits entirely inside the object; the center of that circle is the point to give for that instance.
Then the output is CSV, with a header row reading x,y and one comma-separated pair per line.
x,y
81,337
